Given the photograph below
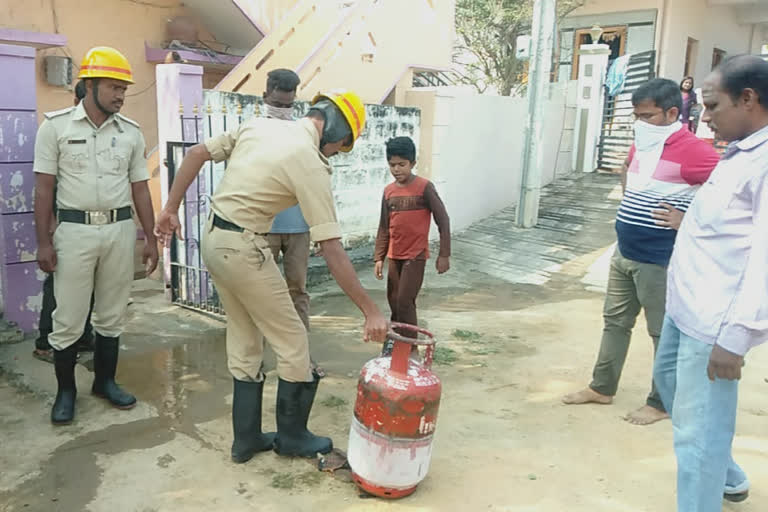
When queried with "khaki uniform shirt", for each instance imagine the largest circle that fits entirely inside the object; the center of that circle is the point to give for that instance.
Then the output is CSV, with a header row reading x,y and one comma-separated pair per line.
x,y
94,166
273,165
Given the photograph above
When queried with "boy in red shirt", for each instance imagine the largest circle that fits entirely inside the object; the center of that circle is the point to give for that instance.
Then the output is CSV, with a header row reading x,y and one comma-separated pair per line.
x,y
403,234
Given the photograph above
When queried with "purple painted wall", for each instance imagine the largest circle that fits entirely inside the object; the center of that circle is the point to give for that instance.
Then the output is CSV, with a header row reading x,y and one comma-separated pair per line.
x,y
21,279
35,39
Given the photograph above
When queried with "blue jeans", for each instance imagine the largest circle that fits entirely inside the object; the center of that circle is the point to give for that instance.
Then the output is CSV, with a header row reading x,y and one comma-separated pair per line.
x,y
704,419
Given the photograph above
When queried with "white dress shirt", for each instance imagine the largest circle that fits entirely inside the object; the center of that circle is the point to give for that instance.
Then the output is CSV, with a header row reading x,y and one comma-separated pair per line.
x,y
717,284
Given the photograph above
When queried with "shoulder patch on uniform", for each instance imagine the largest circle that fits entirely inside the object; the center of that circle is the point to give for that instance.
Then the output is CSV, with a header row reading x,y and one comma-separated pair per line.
x,y
128,120
57,113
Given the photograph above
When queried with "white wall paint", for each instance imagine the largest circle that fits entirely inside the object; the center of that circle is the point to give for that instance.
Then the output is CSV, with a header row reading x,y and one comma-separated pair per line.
x,y
712,26
476,153
477,148
358,178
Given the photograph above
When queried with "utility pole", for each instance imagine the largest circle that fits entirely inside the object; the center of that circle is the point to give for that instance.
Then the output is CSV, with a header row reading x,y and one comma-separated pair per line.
x,y
544,16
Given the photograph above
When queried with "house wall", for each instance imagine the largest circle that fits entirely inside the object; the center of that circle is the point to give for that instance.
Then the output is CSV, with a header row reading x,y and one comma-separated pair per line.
x,y
265,14
120,24
477,144
325,45
663,25
20,278
358,178
713,26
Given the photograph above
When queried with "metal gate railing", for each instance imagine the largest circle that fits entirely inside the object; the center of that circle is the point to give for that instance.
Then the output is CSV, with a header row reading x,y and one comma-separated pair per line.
x,y
191,284
616,134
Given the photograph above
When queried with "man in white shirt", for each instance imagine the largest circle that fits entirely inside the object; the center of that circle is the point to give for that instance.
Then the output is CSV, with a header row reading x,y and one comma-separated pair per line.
x,y
717,287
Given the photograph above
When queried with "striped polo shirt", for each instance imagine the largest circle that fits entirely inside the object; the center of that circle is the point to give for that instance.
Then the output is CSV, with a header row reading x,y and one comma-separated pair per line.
x,y
686,162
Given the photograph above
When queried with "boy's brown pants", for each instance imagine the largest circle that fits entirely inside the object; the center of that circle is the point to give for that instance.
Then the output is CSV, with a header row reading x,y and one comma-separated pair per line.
x,y
404,281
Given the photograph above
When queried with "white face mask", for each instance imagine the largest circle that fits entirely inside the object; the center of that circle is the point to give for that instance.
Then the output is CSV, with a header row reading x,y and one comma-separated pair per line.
x,y
284,113
649,136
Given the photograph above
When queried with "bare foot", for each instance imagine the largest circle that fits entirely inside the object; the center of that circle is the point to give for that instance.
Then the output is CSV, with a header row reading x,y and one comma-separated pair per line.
x,y
646,415
587,396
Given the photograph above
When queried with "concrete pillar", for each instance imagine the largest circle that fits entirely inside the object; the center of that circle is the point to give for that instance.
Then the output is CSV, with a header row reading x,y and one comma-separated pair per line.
x,y
544,20
593,62
179,91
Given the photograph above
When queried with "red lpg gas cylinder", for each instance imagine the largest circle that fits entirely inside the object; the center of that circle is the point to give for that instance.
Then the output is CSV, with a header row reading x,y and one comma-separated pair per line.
x,y
390,441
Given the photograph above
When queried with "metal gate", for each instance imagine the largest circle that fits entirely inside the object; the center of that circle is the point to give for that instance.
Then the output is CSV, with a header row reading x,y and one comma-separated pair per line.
x,y
191,284
616,134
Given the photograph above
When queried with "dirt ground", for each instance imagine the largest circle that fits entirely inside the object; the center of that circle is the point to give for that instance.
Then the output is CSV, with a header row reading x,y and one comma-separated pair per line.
x,y
503,442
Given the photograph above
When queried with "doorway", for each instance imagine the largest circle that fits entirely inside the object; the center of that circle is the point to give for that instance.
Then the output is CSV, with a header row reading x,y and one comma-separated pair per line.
x,y
614,37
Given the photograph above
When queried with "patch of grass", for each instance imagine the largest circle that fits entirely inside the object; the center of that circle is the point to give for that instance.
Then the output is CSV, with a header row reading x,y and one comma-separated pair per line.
x,y
290,480
445,356
461,334
483,351
334,401
310,478
283,481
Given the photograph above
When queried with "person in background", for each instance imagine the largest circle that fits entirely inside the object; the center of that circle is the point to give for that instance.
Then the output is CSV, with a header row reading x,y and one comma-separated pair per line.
x,y
290,233
43,349
689,102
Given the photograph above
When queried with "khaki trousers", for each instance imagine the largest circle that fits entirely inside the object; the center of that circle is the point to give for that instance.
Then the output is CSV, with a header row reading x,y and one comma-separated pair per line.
x,y
295,249
632,286
257,302
94,260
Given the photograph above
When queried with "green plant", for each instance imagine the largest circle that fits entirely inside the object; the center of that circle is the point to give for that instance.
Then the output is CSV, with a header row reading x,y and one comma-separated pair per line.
x,y
445,356
334,401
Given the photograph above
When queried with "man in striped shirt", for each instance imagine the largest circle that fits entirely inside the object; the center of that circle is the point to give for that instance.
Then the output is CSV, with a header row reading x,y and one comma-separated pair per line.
x,y
665,167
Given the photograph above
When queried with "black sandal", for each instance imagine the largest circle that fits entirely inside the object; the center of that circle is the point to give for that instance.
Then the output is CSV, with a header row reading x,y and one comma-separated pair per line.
x,y
317,371
45,356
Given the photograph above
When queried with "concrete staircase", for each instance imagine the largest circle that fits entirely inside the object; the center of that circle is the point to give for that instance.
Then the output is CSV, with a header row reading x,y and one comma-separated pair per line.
x,y
364,45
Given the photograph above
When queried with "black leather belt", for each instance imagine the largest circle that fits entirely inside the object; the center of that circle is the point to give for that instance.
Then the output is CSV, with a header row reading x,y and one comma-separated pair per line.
x,y
96,218
226,225
229,226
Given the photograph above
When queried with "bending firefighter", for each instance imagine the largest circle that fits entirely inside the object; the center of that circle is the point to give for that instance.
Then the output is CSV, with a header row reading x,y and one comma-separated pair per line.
x,y
93,158
273,165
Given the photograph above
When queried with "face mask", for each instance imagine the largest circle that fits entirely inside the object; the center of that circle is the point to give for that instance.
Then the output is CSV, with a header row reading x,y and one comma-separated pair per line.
x,y
649,136
284,113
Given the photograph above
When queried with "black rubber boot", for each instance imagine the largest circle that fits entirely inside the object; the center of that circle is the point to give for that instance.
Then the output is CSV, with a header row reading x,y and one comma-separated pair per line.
x,y
104,368
86,343
294,401
246,422
46,322
63,411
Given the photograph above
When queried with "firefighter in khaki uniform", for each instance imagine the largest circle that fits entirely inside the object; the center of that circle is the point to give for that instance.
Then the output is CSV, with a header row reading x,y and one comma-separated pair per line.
x,y
273,165
97,157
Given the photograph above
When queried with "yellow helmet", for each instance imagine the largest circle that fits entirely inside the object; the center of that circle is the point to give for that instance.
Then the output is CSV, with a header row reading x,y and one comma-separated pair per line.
x,y
105,62
351,107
